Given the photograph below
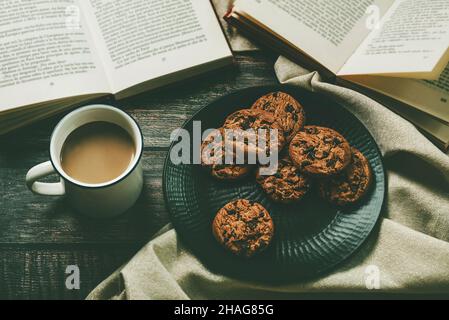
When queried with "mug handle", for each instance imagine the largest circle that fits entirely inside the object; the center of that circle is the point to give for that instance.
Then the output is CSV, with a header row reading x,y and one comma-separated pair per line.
x,y
42,188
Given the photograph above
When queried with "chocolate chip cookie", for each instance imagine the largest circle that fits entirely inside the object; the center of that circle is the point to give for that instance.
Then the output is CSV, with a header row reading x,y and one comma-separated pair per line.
x,y
288,112
351,185
243,227
320,151
214,160
245,125
287,185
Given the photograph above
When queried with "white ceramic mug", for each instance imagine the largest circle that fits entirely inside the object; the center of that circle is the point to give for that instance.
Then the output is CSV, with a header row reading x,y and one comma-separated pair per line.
x,y
97,200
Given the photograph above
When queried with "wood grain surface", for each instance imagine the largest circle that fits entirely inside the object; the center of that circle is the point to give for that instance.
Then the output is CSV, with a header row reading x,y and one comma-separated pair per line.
x,y
41,236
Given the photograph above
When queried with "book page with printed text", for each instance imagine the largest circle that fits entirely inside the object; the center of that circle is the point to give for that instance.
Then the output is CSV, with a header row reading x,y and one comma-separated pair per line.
x,y
47,53
141,40
412,41
328,31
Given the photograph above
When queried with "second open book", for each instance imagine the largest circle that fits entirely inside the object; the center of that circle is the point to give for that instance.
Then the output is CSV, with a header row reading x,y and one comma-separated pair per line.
x,y
398,48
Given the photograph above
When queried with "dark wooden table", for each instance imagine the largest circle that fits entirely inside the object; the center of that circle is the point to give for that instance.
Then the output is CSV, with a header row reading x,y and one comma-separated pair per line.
x,y
41,236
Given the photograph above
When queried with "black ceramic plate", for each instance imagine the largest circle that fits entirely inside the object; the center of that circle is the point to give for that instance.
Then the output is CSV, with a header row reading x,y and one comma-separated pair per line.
x,y
311,237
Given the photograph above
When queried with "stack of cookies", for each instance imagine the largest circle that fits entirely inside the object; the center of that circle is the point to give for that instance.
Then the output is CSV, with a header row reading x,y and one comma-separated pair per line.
x,y
307,154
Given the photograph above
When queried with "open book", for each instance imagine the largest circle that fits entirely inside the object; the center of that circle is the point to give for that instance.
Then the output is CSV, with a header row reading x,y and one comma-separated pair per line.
x,y
57,54
396,48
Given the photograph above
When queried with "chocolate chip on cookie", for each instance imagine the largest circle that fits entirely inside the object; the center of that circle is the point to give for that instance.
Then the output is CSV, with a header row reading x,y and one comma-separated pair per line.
x,y
243,227
287,185
246,125
320,151
288,112
351,185
213,158
229,172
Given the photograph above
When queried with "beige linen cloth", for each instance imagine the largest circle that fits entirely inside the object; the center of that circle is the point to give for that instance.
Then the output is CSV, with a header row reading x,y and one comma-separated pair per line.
x,y
409,248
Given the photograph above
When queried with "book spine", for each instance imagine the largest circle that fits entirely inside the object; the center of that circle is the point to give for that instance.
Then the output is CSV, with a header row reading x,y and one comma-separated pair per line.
x,y
271,43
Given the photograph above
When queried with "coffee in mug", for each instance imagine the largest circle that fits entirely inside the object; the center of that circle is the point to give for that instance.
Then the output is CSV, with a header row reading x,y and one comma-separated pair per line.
x,y
97,152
